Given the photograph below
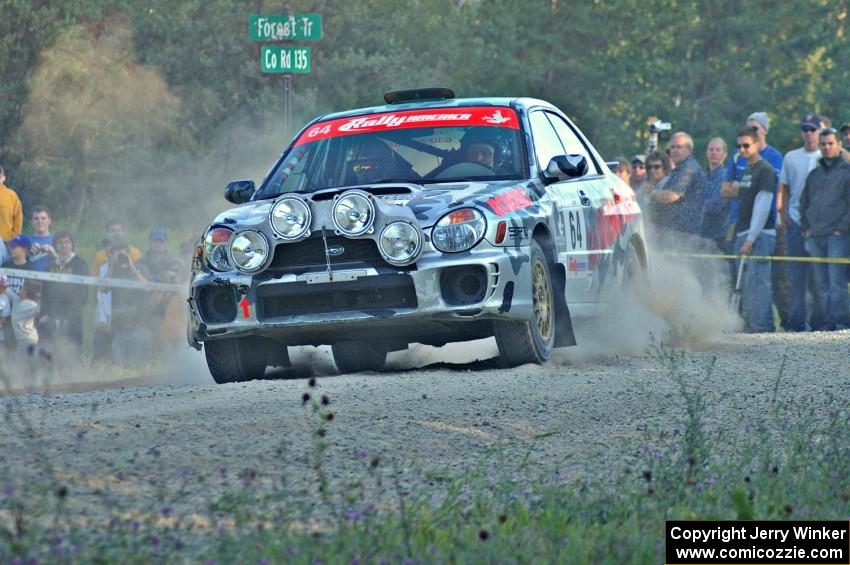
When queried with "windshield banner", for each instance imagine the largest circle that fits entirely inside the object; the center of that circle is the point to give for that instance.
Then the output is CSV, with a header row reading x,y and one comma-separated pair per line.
x,y
438,117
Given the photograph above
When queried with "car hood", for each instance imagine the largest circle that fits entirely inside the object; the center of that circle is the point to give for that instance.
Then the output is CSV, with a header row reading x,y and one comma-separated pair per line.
x,y
428,202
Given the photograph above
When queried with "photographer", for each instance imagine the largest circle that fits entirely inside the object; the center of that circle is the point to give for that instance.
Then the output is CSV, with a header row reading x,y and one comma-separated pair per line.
x,y
122,312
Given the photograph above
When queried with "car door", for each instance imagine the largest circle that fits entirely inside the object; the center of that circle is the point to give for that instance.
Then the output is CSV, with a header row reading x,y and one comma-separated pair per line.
x,y
572,205
602,220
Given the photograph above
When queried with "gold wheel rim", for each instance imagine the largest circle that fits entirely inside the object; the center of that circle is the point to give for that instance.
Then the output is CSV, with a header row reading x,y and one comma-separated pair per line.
x,y
542,301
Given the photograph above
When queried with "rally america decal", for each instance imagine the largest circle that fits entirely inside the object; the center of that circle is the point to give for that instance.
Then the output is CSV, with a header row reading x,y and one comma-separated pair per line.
x,y
438,117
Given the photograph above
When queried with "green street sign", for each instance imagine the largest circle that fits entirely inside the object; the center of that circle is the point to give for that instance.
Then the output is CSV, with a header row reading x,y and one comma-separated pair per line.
x,y
285,27
279,59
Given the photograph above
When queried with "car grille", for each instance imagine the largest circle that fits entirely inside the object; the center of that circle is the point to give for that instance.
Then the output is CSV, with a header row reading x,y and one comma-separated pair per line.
x,y
369,294
309,254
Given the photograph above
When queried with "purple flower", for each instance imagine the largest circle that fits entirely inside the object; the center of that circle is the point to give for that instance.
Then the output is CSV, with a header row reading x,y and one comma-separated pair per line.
x,y
8,489
354,561
355,515
80,435
166,512
155,542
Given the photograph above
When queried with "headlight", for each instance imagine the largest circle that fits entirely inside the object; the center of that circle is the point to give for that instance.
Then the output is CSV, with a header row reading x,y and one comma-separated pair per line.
x,y
459,230
215,248
353,213
290,217
399,243
249,250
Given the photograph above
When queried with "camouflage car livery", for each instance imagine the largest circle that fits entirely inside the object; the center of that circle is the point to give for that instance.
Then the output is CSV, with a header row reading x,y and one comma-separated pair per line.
x,y
421,221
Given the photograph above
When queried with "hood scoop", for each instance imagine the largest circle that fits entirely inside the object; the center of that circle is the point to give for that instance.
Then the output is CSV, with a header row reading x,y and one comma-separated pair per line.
x,y
376,190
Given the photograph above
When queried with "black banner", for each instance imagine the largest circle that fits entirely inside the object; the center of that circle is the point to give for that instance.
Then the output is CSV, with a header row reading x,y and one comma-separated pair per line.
x,y
757,542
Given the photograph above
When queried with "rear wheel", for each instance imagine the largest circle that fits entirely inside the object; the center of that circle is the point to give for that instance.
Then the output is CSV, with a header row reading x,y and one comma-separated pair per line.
x,y
531,341
236,359
358,356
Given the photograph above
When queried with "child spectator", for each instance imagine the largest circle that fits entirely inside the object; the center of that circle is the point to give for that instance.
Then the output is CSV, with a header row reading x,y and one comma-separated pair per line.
x,y
19,247
25,308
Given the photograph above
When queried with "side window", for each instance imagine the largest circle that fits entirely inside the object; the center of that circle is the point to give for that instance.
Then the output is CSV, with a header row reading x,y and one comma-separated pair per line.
x,y
572,143
546,142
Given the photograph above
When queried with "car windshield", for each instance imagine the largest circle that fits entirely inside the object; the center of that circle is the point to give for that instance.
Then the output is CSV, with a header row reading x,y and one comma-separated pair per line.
x,y
425,146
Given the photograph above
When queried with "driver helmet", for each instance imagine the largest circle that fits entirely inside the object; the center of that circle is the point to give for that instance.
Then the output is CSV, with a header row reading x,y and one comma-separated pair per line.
x,y
371,159
483,145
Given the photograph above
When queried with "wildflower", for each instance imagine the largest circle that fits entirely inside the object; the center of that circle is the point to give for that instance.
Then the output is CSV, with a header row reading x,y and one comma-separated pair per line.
x,y
747,479
375,461
502,518
775,470
354,515
647,476
788,509
62,491
361,454
650,491
354,561
305,398
8,489
483,535
432,548
321,432
691,461
80,435
312,382
166,512
155,542
329,416
325,400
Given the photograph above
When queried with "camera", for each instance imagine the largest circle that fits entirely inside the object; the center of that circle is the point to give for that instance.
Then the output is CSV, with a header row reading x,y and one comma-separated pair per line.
x,y
659,126
123,259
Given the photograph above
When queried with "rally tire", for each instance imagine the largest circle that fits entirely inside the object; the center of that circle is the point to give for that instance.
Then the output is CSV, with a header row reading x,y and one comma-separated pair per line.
x,y
359,356
634,270
532,341
235,360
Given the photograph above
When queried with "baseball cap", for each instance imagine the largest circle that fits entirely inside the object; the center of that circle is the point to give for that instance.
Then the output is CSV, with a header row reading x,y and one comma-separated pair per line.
x,y
639,159
845,127
812,120
159,233
19,240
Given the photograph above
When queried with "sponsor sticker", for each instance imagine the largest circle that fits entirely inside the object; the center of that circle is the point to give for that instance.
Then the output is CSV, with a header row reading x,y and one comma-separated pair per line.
x,y
509,201
435,117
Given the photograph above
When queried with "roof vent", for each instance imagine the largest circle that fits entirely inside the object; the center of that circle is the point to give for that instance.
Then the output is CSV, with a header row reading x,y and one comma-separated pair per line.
x,y
418,94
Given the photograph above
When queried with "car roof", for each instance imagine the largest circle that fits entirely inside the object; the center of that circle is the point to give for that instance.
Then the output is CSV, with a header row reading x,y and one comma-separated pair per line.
x,y
446,103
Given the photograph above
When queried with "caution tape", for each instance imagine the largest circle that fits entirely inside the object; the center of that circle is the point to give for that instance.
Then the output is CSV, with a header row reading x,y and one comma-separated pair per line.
x,y
92,281
835,260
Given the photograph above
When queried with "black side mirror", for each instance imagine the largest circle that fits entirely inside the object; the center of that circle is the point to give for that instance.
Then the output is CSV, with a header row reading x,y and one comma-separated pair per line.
x,y
563,167
239,191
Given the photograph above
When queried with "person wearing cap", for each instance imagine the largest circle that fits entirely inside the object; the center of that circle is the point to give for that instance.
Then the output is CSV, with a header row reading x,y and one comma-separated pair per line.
x,y
11,211
19,247
6,336
638,176
796,166
114,230
825,220
157,259
26,305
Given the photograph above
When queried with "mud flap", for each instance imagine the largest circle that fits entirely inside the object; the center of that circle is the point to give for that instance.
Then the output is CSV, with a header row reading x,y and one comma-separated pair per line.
x,y
564,334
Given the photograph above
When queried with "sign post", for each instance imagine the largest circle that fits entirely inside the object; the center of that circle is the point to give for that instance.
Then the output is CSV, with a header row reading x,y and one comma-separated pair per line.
x,y
286,60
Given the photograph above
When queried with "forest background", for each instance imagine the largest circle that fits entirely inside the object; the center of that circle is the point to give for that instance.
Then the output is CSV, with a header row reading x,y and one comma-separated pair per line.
x,y
144,109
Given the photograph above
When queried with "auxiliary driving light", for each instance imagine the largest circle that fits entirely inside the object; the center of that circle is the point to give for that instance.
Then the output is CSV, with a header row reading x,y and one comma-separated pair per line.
x,y
249,250
290,218
353,213
400,243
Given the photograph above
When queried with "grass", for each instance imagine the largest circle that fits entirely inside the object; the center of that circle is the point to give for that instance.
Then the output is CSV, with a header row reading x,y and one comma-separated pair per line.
x,y
791,460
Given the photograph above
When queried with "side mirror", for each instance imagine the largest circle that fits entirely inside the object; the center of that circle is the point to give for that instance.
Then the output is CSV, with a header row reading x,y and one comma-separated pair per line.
x,y
239,191
563,167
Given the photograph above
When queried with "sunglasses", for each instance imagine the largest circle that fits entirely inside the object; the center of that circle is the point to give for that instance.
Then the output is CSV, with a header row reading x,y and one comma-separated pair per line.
x,y
652,167
809,129
637,164
744,145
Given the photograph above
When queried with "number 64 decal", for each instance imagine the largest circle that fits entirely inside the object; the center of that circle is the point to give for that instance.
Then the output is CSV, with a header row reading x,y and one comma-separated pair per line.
x,y
576,236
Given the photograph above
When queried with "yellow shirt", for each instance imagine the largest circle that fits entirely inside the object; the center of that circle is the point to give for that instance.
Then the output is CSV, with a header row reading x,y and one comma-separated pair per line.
x,y
11,213
102,257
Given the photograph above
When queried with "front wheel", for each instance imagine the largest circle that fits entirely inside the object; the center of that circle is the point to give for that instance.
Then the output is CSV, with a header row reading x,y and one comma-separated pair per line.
x,y
358,356
531,341
235,360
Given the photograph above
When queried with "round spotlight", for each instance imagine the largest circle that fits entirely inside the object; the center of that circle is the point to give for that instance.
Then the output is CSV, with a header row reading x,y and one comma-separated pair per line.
x,y
400,243
249,250
290,218
353,213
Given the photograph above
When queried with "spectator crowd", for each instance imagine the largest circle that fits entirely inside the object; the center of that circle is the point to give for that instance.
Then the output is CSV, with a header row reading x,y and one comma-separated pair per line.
x,y
44,320
787,217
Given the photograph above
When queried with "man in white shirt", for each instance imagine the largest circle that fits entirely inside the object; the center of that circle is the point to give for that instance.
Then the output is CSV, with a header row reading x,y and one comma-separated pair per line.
x,y
795,168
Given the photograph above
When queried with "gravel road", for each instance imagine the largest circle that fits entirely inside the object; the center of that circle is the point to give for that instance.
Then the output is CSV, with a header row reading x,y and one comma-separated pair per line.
x,y
183,445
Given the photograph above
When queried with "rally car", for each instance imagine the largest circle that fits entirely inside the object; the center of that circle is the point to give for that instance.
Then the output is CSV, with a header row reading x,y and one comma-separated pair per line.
x,y
430,219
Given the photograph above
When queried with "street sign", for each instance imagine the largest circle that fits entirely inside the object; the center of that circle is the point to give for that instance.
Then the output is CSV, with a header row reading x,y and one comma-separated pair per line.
x,y
285,27
279,59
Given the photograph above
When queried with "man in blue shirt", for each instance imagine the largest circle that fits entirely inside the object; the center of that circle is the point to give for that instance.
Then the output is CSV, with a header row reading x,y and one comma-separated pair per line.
x,y
41,253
